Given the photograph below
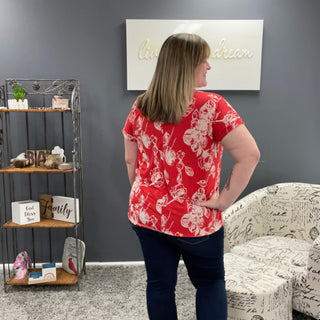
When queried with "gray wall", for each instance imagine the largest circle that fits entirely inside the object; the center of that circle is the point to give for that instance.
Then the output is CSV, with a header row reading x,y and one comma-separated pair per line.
x,y
86,40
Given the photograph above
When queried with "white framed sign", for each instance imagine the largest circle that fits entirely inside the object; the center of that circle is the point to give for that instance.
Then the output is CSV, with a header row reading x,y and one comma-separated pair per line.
x,y
236,50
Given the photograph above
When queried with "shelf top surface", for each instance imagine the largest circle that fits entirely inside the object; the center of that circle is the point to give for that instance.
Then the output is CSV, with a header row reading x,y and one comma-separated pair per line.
x,y
63,278
44,223
12,169
35,110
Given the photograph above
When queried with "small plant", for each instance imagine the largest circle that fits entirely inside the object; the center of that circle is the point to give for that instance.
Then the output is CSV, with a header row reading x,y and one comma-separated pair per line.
x,y
19,93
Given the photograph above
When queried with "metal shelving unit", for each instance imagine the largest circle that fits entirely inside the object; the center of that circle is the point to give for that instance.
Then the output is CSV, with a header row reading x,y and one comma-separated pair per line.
x,y
39,94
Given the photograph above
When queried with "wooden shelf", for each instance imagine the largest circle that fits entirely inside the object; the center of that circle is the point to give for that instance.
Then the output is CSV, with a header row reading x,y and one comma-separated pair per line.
x,y
12,169
63,278
44,223
34,110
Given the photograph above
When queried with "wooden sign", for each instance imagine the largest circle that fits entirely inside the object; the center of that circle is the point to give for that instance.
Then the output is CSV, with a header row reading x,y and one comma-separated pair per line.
x,y
64,209
58,103
31,156
46,206
41,156
37,158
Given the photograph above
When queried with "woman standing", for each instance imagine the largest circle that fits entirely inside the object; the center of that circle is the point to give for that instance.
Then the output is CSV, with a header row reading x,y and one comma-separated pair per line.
x,y
174,137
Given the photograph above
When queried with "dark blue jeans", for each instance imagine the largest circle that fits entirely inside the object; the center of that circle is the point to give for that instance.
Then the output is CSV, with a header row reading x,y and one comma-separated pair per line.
x,y
203,258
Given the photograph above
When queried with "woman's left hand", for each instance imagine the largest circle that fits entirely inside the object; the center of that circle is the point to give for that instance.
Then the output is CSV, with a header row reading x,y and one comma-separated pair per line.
x,y
212,203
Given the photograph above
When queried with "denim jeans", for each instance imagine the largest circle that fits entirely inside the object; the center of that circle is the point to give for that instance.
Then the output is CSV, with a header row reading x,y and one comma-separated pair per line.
x,y
203,258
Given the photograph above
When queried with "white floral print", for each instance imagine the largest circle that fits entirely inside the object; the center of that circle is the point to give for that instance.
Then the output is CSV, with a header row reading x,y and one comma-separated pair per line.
x,y
179,165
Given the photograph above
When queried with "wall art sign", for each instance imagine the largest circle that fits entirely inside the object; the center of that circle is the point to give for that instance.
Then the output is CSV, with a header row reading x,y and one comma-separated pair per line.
x,y
236,50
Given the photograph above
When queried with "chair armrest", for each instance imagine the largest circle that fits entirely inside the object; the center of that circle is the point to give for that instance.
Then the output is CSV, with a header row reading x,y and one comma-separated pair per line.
x,y
243,220
313,279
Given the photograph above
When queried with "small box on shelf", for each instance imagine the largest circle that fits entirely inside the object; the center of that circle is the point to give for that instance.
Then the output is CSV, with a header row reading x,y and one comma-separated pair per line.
x,y
47,274
24,212
59,103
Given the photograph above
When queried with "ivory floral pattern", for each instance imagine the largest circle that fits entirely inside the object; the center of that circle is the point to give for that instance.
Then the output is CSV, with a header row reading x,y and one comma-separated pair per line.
x,y
179,164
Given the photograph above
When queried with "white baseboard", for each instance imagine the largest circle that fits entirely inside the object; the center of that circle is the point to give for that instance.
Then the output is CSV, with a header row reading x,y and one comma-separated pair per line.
x,y
105,264
121,263
116,263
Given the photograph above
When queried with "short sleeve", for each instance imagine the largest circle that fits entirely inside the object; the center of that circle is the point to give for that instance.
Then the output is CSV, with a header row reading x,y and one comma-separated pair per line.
x,y
128,129
225,119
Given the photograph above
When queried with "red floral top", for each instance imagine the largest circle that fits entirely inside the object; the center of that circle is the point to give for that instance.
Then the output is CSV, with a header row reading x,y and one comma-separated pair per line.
x,y
179,164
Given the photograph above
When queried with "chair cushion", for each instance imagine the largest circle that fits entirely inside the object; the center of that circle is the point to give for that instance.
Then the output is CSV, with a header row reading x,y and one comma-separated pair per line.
x,y
287,254
256,290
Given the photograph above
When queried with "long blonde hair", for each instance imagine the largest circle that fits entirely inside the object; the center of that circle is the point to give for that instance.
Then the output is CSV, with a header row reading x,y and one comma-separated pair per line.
x,y
173,83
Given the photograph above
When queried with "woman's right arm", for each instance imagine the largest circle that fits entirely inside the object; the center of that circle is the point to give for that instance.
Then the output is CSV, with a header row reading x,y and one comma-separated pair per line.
x,y
244,150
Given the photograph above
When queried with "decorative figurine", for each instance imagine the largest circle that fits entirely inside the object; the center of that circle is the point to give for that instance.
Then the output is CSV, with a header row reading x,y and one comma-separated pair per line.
x,y
55,158
21,265
20,161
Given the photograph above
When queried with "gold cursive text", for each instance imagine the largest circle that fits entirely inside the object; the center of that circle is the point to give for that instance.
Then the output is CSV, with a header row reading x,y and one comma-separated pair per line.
x,y
148,51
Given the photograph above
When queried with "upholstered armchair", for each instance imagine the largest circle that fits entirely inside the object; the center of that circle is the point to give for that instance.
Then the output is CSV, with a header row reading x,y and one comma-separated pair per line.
x,y
279,226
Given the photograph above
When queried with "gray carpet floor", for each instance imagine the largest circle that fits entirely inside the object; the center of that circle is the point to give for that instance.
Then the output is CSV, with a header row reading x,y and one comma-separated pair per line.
x,y
106,292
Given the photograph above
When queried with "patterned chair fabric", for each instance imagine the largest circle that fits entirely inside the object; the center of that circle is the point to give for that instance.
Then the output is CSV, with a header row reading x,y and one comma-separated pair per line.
x,y
279,226
256,291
